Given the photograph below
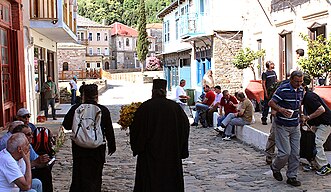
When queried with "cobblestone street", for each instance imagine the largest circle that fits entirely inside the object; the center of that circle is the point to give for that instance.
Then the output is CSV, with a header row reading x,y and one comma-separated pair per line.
x,y
213,165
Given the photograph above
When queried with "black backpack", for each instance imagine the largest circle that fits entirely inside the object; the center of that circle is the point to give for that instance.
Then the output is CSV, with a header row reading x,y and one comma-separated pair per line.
x,y
42,141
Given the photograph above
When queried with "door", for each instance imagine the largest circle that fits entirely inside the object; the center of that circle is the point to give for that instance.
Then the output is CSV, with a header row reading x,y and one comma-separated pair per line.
x,y
285,55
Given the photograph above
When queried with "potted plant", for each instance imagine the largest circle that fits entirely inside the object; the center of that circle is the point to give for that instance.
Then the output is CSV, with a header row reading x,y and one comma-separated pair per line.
x,y
245,57
318,62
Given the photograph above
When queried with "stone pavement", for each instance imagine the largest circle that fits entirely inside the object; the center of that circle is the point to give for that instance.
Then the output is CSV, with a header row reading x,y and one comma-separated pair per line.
x,y
213,164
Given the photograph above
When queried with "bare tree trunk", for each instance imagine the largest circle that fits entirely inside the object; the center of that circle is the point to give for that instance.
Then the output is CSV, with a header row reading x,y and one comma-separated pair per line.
x,y
252,68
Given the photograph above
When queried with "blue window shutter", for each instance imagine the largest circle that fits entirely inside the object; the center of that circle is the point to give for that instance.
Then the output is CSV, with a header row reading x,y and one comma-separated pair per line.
x,y
199,72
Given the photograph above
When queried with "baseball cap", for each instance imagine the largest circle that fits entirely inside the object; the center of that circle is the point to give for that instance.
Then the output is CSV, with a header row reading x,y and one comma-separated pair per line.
x,y
22,111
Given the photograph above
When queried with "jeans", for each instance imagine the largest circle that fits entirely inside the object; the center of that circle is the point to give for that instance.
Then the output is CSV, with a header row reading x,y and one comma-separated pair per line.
x,y
36,186
231,120
265,109
322,133
220,119
52,103
288,145
73,96
200,108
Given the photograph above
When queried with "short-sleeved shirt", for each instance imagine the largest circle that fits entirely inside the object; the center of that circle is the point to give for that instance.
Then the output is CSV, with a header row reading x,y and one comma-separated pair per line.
x,y
10,170
74,84
180,92
270,77
289,98
211,97
227,107
247,106
311,102
218,98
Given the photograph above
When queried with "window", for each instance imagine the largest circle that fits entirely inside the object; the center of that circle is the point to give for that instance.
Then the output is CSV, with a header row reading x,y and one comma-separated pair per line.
x,y
90,51
6,68
127,42
259,60
78,36
317,29
99,51
82,36
166,31
119,44
90,38
156,48
202,6
65,66
98,36
106,51
88,65
98,64
106,36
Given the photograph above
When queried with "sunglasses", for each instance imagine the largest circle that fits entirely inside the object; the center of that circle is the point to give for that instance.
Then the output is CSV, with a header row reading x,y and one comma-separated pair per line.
x,y
26,116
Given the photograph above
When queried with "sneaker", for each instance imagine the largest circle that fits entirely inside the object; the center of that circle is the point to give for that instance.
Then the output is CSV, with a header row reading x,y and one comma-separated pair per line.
x,y
219,129
222,125
226,138
293,181
194,124
277,174
268,159
307,168
326,169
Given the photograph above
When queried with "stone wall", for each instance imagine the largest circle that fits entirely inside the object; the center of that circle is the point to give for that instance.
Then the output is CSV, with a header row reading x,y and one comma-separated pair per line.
x,y
75,58
226,74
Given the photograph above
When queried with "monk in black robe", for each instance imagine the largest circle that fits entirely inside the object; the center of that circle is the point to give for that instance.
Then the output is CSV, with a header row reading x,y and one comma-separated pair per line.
x,y
159,136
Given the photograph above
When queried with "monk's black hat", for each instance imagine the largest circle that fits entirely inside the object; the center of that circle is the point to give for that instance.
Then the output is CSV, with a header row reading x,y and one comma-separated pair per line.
x,y
160,84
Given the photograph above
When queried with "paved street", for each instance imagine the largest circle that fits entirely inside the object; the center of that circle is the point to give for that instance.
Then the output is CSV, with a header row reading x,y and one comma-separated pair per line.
x,y
213,165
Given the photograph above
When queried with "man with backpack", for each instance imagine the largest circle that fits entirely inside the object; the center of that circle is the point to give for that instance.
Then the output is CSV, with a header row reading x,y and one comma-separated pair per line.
x,y
91,127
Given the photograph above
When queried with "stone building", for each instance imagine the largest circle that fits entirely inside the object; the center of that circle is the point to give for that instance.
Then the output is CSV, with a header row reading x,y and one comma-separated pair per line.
x,y
155,30
72,60
197,37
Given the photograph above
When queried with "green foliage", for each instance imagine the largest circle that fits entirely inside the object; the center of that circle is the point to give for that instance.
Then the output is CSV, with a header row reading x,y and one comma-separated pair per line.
x,y
245,57
124,11
97,10
318,62
143,43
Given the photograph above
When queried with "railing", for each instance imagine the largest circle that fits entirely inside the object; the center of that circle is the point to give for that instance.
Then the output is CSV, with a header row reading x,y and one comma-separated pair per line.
x,y
83,41
191,24
43,9
81,74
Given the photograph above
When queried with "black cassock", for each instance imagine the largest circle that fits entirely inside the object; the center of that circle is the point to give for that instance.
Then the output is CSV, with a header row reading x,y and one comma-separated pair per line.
x,y
159,136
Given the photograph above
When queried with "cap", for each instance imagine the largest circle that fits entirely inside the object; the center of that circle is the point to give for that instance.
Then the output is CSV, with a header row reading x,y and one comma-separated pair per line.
x,y
160,84
22,111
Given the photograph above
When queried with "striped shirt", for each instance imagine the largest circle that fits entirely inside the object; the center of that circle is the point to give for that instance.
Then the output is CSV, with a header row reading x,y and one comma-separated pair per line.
x,y
289,98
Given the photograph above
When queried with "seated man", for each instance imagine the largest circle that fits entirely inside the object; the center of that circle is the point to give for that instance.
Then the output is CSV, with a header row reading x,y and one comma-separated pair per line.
x,y
15,167
229,104
203,106
214,107
181,96
39,162
244,116
4,138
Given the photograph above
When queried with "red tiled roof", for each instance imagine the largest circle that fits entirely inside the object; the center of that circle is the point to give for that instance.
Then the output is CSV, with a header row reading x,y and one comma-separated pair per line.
x,y
123,30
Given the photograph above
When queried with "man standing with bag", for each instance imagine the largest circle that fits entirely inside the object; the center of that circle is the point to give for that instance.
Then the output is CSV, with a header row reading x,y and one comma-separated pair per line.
x,y
91,124
49,89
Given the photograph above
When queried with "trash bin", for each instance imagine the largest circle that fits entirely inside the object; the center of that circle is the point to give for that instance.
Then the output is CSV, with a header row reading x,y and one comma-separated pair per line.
x,y
190,92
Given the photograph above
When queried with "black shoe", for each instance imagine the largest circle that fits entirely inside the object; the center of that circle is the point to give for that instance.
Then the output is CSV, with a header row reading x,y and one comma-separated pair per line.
x,y
293,181
54,118
194,124
268,159
264,123
277,175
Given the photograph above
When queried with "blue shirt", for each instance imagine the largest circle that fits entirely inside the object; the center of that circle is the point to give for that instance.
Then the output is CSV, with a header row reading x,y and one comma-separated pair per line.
x,y
32,126
289,98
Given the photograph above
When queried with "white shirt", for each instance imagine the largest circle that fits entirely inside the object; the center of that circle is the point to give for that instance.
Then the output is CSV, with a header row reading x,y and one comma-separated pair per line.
x,y
74,84
10,170
179,92
218,98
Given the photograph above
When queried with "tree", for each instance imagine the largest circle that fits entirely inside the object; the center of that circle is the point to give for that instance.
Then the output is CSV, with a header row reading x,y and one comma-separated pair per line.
x,y
318,62
245,57
143,43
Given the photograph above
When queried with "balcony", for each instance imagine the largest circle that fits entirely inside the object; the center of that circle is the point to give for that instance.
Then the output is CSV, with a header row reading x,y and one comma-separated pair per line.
x,y
191,25
83,41
55,19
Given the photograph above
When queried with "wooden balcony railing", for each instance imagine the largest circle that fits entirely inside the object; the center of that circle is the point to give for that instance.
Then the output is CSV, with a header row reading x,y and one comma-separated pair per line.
x,y
43,9
65,14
